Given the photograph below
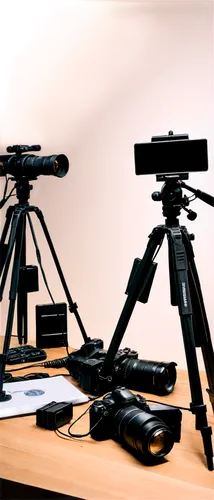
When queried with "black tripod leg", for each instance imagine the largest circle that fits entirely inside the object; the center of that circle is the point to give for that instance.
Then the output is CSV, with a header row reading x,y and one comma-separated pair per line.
x,y
22,297
180,264
137,288
3,245
72,305
12,299
200,321
15,221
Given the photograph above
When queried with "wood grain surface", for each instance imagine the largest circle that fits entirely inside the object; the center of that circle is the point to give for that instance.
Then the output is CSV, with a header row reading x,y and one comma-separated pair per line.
x,y
104,470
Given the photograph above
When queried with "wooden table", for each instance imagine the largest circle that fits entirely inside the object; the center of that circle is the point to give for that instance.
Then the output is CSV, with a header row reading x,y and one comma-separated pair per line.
x,y
104,470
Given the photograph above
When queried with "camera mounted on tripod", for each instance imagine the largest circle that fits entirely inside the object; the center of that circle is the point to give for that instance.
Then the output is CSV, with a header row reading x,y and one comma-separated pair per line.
x,y
171,157
20,164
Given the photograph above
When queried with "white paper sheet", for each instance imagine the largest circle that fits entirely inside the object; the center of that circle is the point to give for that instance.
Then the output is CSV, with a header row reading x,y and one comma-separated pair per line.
x,y
30,395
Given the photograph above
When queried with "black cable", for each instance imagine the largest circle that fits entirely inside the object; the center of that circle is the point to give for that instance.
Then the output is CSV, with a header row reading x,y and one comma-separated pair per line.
x,y
70,435
54,363
5,198
87,434
62,433
158,250
75,421
8,377
77,436
29,376
5,187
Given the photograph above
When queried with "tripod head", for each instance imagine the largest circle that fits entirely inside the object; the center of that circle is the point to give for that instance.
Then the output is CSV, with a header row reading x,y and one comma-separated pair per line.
x,y
23,189
173,200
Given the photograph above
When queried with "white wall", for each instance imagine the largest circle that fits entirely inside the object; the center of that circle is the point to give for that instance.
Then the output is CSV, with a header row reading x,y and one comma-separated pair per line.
x,y
89,79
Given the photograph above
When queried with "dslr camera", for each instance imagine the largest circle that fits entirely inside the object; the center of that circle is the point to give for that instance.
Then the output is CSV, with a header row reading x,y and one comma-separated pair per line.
x,y
150,431
85,365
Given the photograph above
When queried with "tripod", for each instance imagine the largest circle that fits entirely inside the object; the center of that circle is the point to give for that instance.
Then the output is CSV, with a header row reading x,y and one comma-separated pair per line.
x,y
16,218
185,293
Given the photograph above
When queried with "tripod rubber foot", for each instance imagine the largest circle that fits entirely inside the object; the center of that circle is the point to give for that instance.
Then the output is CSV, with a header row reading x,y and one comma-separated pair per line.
x,y
4,397
206,433
210,463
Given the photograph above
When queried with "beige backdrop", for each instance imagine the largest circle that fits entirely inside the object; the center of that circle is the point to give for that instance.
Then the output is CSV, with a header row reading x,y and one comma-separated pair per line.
x,y
89,79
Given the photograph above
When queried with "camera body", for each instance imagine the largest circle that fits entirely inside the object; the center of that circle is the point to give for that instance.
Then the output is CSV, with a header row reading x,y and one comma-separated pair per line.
x,y
102,414
85,365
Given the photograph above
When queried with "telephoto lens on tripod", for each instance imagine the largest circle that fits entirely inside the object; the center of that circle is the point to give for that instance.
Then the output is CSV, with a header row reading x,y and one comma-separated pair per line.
x,y
21,164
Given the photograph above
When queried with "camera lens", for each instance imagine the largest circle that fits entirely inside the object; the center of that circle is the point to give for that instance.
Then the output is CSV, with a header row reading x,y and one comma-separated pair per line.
x,y
31,166
147,376
143,432
157,443
45,165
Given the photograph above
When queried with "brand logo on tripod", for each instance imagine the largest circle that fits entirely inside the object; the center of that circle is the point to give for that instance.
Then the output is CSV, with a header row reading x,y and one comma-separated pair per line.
x,y
184,293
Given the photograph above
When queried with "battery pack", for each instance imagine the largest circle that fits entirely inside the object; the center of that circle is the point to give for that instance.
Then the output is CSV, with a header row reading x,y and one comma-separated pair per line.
x,y
51,325
54,415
